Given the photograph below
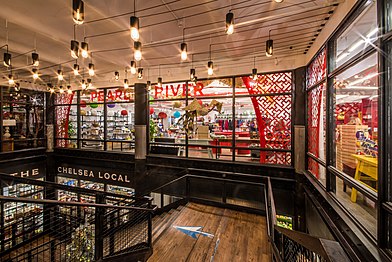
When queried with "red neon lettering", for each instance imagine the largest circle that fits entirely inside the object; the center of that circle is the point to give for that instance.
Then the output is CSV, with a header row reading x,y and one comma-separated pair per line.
x,y
110,96
100,96
158,91
118,94
126,96
198,89
93,95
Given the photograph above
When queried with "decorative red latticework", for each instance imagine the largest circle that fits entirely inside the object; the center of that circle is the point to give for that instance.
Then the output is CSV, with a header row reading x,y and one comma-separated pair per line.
x,y
273,114
349,109
317,70
62,118
315,97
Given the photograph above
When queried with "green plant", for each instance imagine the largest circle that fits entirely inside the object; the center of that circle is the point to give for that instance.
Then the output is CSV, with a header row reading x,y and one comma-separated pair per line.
x,y
153,129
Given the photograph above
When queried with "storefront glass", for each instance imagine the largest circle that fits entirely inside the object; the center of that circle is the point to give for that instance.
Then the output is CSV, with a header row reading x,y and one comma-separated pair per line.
x,y
356,118
23,119
357,36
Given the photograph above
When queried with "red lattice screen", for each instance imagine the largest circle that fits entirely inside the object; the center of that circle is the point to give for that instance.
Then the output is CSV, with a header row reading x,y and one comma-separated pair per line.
x,y
273,114
315,97
62,118
317,70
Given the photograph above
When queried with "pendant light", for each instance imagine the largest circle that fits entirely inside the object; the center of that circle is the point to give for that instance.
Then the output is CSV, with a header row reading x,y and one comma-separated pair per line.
x,y
7,58
84,86
75,49
126,85
229,23
195,80
254,70
51,90
11,80
159,78
148,85
134,24
133,67
116,76
89,83
192,74
84,49
35,73
69,90
137,46
183,47
269,46
60,75
61,90
210,65
76,69
91,71
278,1
35,59
78,11
140,73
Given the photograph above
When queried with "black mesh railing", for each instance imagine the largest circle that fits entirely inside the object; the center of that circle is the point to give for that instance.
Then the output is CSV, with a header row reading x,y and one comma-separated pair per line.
x,y
93,225
290,245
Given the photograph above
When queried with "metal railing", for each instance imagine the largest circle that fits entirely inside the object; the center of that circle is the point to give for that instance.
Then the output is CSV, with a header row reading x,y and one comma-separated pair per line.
x,y
290,245
67,230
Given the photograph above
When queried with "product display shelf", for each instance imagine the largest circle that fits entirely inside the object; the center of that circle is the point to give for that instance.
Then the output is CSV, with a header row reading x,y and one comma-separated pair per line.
x,y
92,129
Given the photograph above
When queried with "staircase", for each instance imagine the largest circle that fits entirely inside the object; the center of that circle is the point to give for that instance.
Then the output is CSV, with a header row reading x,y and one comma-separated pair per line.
x,y
160,223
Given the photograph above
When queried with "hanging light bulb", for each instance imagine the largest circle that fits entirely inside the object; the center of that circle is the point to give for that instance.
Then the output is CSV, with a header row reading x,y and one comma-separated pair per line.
x,y
133,67
84,86
278,1
61,90
140,73
192,74
229,23
116,76
210,70
35,73
126,85
51,90
11,80
184,54
89,83
148,85
7,59
84,48
69,91
91,71
254,73
269,46
160,81
137,46
76,69
60,75
134,23
75,49
78,11
35,58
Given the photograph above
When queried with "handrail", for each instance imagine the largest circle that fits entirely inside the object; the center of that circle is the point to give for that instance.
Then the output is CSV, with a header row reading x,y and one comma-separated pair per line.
x,y
71,203
84,191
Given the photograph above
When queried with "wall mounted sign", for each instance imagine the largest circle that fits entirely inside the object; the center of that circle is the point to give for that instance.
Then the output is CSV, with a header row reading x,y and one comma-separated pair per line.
x,y
100,175
33,170
177,90
117,95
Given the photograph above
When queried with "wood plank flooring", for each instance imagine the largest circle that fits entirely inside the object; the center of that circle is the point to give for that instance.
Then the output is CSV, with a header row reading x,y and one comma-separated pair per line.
x,y
237,237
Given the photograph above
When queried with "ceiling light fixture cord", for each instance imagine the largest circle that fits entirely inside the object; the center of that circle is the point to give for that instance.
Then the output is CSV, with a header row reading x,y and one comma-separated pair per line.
x,y
134,7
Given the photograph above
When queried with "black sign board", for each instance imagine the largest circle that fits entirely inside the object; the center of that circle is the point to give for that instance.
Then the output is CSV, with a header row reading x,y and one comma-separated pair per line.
x,y
26,170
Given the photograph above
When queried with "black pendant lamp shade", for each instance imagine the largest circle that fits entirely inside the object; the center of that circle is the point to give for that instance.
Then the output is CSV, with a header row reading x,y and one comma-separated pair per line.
x,y
229,23
78,11
192,74
269,47
126,85
140,73
137,46
35,59
210,66
76,69
184,54
116,75
159,81
148,84
254,73
84,49
11,80
134,24
75,49
35,73
60,75
7,59
133,67
91,71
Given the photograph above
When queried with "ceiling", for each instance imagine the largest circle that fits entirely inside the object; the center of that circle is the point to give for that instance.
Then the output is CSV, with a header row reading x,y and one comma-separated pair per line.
x,y
47,27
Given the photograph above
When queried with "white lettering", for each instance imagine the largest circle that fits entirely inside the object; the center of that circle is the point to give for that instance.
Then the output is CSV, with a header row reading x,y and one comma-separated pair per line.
x,y
35,172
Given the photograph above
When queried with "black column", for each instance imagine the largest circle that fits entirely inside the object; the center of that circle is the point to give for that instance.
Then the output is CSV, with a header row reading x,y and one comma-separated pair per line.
x,y
140,134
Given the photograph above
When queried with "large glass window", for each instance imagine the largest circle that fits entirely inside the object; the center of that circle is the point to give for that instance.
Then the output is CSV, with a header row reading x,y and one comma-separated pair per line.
x,y
101,120
23,121
358,35
251,124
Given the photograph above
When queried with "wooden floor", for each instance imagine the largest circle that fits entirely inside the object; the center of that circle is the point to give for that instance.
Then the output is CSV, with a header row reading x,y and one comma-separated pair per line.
x,y
237,236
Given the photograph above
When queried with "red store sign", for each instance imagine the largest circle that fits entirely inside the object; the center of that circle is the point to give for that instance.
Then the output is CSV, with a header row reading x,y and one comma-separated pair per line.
x,y
111,96
177,90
